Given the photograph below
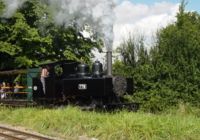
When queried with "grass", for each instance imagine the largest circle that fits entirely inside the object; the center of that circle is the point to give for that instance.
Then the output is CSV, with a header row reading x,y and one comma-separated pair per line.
x,y
70,123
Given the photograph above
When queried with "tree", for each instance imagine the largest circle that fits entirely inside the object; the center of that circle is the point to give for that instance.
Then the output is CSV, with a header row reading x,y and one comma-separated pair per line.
x,y
30,37
132,51
20,43
171,72
179,47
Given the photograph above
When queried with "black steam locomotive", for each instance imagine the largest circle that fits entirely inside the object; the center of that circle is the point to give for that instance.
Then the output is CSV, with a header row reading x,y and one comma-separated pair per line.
x,y
72,82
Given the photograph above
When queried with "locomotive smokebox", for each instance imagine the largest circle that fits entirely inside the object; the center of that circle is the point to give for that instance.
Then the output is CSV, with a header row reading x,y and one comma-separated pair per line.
x,y
109,63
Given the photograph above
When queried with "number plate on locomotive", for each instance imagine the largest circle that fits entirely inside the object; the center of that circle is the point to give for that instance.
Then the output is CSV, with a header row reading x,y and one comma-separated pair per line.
x,y
82,86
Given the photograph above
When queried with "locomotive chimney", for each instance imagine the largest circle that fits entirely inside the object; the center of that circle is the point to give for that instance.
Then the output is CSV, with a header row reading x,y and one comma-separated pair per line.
x,y
109,63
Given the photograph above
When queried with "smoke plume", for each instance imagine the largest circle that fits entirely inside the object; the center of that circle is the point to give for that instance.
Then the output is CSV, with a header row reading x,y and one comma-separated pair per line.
x,y
98,14
11,7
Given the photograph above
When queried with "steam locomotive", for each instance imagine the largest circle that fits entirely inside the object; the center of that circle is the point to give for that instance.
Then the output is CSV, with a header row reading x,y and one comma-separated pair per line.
x,y
72,82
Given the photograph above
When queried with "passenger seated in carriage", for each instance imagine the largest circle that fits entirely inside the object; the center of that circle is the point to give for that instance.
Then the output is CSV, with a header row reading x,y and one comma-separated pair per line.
x,y
16,89
3,90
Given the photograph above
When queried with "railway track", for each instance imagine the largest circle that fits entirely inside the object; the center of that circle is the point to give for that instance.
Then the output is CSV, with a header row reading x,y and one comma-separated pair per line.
x,y
13,134
17,103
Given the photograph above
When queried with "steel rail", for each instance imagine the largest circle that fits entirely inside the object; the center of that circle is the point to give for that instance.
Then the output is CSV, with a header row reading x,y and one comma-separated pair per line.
x,y
10,137
16,103
17,132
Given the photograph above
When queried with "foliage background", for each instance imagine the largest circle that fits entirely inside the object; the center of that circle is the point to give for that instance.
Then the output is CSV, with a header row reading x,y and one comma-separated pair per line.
x,y
30,37
170,72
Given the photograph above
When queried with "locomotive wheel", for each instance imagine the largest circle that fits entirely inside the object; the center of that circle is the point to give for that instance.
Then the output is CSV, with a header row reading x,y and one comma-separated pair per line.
x,y
119,86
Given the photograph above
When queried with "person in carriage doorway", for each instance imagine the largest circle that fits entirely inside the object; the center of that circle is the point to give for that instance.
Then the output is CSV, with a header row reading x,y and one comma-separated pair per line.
x,y
44,74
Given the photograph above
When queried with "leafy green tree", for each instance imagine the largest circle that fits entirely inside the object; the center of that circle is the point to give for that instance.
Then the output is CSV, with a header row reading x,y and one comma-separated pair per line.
x,y
178,48
20,43
71,44
30,37
170,73
132,51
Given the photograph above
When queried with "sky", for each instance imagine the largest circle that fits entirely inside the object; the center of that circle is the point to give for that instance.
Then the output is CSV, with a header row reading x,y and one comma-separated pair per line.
x,y
146,17
191,4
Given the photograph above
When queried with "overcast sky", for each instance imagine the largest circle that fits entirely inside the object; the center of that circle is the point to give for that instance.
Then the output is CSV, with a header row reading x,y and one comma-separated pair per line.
x,y
146,17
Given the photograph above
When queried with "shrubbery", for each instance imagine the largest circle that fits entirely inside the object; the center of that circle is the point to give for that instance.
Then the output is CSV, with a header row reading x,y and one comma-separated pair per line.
x,y
170,72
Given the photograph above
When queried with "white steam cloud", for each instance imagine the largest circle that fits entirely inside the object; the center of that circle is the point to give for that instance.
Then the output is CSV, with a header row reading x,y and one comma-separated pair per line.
x,y
98,14
11,7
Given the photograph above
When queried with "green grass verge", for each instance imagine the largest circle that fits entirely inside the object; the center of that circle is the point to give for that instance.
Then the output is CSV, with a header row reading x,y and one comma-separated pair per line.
x,y
70,123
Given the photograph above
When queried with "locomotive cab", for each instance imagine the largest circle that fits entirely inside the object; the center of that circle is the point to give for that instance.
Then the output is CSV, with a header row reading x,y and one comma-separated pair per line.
x,y
53,82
